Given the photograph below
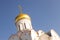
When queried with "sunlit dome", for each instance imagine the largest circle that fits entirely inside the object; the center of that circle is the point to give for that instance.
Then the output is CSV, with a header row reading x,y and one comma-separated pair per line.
x,y
22,16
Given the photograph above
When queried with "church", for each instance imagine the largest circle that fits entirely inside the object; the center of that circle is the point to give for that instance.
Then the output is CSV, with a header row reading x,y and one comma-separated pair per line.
x,y
25,30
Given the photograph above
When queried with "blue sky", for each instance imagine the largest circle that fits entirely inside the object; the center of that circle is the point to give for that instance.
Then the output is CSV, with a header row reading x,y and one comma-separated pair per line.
x,y
45,15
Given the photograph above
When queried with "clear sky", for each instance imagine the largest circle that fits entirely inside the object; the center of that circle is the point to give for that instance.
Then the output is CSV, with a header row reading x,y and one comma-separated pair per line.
x,y
45,15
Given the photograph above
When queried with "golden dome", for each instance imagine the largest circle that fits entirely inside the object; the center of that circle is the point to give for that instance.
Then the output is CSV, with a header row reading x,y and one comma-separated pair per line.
x,y
22,16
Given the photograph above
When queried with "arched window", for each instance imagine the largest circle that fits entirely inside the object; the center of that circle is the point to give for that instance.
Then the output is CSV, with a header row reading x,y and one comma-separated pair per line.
x,y
27,25
24,25
19,27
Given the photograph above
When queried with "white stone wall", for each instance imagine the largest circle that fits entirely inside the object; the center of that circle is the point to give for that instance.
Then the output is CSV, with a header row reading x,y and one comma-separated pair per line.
x,y
24,24
40,32
33,35
44,37
55,36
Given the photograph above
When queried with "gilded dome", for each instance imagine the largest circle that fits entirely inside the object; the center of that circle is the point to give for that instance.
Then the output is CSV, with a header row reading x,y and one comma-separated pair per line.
x,y
22,16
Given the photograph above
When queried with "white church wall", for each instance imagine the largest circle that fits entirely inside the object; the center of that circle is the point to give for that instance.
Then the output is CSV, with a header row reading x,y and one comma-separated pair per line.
x,y
55,36
40,32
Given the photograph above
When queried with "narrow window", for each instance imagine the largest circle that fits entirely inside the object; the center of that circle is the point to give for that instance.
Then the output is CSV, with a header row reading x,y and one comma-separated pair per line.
x,y
25,25
19,27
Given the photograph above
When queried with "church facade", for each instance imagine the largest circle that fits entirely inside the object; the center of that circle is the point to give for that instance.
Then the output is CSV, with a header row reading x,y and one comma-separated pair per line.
x,y
25,30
